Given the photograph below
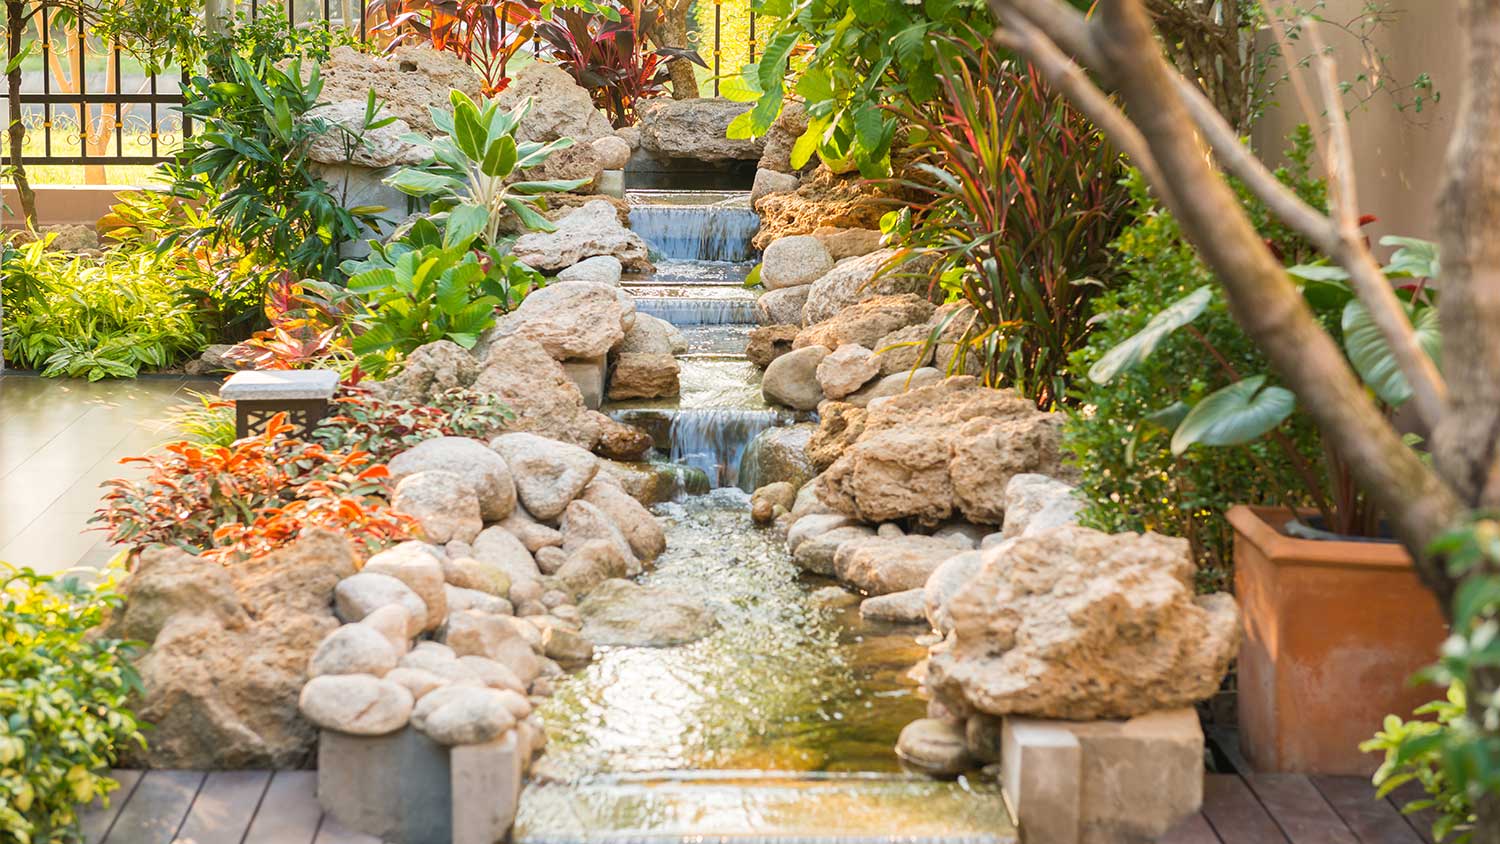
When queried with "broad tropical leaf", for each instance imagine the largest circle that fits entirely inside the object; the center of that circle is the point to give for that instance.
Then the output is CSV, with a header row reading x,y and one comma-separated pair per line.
x,y
1371,355
1139,347
1235,415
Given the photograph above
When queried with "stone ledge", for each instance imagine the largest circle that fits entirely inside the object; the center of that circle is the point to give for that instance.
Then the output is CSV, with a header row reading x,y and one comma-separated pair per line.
x,y
280,385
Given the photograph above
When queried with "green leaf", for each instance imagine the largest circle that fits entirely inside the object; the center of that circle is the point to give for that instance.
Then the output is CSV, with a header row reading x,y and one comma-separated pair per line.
x,y
1415,258
468,132
1140,346
530,217
806,144
1235,415
464,224
422,183
499,157
1318,272
742,127
549,186
1372,357
772,65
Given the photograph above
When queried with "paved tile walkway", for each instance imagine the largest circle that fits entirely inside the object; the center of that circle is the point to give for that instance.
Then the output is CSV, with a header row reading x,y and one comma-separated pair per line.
x,y
59,439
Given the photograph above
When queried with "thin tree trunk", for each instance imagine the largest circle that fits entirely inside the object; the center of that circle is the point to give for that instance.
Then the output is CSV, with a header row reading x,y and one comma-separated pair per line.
x,y
15,18
671,30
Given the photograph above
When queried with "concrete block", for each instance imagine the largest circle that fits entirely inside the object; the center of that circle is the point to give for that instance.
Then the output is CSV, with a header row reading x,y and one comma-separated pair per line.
x,y
611,183
589,374
396,786
1041,766
487,780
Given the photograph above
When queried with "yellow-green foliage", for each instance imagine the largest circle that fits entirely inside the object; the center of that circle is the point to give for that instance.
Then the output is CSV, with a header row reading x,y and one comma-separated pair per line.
x,y
63,718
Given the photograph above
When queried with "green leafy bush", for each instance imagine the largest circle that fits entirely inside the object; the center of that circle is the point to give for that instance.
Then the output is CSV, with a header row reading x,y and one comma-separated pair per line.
x,y
1414,752
385,427
101,317
1120,433
63,692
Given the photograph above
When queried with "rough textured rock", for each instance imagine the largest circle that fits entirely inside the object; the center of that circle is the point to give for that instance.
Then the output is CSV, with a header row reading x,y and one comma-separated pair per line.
x,y
601,269
482,469
933,343
652,336
788,127
823,199
770,342
866,323
844,243
579,162
880,566
613,152
1076,624
792,379
944,583
359,595
695,129
538,391
357,704
771,500
782,307
641,375
768,182
839,426
343,123
353,649
817,553
846,370
548,474
594,229
939,451
937,748
416,565
640,529
854,280
898,607
894,385
619,441
410,81
793,261
808,526
442,502
456,715
905,349
430,371
570,319
221,680
500,548
584,521
560,107
1035,503
779,454
619,612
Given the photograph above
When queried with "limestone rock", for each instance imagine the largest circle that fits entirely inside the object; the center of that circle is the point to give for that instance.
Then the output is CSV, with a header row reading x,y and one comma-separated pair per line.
x,y
779,454
867,322
880,566
937,748
768,182
824,199
846,370
534,386
345,139
594,229
898,607
793,261
639,375
549,474
812,525
483,470
359,595
894,385
854,280
782,307
414,564
410,81
619,612
601,269
613,152
792,379
640,529
817,553
591,564
787,128
809,504
988,452
766,501
430,371
353,649
584,521
695,129
1034,503
457,715
839,426
1076,624
905,349
472,633
560,107
576,162
620,441
357,704
653,336
944,583
169,583
844,243
500,548
442,502
770,342
570,319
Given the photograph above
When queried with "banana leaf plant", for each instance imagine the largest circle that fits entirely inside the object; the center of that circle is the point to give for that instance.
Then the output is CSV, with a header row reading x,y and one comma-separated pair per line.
x,y
1251,407
473,164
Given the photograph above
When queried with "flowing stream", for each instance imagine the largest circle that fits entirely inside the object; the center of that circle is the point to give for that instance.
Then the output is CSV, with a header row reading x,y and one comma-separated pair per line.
x,y
780,725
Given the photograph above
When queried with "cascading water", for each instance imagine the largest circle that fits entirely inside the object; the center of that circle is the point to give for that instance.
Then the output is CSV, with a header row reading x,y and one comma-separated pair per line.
x,y
693,226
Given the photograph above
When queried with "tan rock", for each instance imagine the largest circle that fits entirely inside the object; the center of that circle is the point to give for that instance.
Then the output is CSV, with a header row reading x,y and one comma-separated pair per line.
x,y
593,229
765,501
414,564
846,370
483,470
881,566
410,81
357,704
640,529
770,342
839,426
560,107
569,319
844,243
442,502
549,474
867,322
792,379
823,199
638,375
782,307
534,386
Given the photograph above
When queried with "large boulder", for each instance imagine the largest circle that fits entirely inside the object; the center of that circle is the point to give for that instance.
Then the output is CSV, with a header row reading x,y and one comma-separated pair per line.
x,y
695,129
560,107
430,371
549,474
653,336
793,261
443,503
619,612
938,451
594,229
410,81
486,474
221,678
538,391
850,367
866,323
1076,624
854,280
600,269
570,319
644,375
894,385
782,307
792,379
839,426
844,243
1034,503
824,199
881,565
640,529
342,122
779,455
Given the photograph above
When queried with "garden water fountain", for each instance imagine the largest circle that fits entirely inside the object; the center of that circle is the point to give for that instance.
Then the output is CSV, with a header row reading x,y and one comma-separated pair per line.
x,y
780,725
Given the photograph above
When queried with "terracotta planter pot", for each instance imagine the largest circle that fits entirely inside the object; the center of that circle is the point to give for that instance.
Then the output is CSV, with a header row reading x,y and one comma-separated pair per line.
x,y
1333,632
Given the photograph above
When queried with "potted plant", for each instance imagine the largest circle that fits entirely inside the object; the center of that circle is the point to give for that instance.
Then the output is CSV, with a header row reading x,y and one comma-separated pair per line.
x,y
1335,618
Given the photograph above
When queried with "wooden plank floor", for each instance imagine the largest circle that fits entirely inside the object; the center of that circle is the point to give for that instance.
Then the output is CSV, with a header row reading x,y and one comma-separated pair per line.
x,y
245,807
61,438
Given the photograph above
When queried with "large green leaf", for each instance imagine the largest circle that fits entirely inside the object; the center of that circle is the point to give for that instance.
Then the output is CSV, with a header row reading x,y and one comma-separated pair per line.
x,y
499,157
1413,258
1235,415
464,224
1371,355
468,132
1140,346
420,183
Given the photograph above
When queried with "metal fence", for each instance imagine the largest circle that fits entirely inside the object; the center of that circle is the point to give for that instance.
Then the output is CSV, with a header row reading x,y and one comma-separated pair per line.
x,y
87,102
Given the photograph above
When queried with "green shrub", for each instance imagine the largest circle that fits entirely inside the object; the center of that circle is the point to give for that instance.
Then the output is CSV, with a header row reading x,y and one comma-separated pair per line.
x,y
101,317
1129,475
63,719
1414,752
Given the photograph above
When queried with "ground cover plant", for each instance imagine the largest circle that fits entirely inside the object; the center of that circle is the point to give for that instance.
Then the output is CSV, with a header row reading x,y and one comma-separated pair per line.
x,y
63,692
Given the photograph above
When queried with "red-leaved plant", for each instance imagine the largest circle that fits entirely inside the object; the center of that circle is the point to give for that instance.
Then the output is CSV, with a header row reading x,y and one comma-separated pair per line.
x,y
230,503
384,427
305,331
486,34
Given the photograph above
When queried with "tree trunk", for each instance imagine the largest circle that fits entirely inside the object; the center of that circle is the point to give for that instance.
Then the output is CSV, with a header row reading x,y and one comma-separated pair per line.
x,y
15,23
671,30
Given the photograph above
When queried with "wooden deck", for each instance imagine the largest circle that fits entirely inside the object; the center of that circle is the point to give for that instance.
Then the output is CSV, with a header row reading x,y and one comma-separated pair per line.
x,y
258,807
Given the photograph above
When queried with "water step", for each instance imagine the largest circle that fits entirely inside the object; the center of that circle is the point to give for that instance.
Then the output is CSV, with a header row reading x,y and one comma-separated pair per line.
x,y
686,310
671,273
694,226
752,806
